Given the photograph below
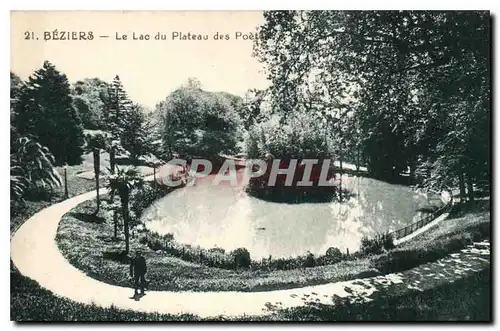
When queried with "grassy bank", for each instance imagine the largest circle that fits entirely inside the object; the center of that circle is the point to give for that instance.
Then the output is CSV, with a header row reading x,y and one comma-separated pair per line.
x,y
464,300
89,246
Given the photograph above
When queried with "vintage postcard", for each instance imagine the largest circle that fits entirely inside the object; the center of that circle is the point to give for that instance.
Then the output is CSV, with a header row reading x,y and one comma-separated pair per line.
x,y
250,166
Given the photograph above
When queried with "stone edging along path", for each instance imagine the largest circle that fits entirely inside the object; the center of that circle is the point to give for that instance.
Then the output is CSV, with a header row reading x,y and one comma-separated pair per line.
x,y
35,253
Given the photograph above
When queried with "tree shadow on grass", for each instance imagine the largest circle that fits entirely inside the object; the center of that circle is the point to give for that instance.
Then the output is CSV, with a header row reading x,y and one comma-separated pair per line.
x,y
88,218
461,209
117,256
105,237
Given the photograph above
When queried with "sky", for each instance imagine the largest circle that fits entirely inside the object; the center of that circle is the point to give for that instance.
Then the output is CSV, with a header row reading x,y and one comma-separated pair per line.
x,y
149,69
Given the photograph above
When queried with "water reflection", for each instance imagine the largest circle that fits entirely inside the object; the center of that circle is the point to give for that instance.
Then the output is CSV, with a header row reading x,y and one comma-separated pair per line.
x,y
229,218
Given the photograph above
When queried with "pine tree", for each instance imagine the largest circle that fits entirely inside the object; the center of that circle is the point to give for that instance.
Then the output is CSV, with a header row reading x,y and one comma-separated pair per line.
x,y
117,107
45,110
136,137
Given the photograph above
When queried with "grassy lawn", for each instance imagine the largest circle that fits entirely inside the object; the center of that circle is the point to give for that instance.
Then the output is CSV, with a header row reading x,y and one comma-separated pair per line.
x,y
85,170
465,300
88,244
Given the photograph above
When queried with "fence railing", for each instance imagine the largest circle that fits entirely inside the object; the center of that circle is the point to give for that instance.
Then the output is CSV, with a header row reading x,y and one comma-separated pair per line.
x,y
403,232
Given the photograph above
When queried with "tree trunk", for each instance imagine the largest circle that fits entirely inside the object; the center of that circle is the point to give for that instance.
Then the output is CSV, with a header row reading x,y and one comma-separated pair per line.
x,y
340,181
112,192
115,222
124,197
470,188
461,184
340,159
97,169
358,161
112,160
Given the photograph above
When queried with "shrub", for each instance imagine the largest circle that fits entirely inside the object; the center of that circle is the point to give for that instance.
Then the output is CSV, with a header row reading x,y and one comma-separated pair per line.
x,y
217,250
241,257
309,260
377,245
298,135
155,241
370,246
387,241
334,253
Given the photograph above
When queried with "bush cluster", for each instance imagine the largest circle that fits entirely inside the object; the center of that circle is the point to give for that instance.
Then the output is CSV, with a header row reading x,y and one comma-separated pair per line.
x,y
376,245
213,257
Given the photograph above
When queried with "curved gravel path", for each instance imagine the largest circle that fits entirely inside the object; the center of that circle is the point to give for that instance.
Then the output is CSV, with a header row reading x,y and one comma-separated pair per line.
x,y
34,252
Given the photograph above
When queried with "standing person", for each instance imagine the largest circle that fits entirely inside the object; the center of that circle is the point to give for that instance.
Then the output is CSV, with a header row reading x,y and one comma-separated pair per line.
x,y
138,270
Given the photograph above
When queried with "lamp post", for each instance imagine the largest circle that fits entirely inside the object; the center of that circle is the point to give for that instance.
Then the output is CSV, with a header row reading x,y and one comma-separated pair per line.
x,y
66,181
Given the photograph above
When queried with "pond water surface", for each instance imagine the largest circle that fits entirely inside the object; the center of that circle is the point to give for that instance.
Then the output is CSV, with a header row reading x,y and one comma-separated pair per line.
x,y
227,217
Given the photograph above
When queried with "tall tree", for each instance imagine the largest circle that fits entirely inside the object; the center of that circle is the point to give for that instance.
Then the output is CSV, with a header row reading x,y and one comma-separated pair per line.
x,y
136,137
45,110
117,107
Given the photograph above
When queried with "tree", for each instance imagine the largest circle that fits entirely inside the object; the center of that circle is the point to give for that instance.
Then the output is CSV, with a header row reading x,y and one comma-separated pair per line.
x,y
89,96
298,136
122,183
96,142
406,76
136,137
250,113
15,87
15,90
127,123
117,106
45,110
198,123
